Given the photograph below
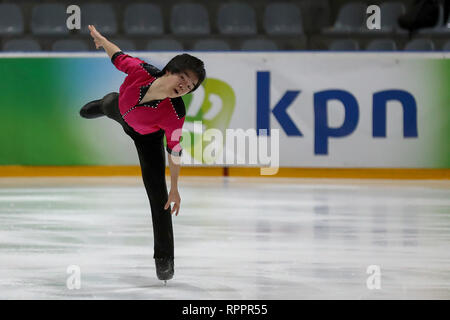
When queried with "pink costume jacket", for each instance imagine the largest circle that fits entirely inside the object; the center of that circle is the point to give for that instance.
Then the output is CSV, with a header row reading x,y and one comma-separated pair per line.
x,y
167,114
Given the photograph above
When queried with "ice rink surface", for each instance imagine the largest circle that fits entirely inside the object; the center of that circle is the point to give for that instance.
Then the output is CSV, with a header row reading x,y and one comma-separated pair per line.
x,y
235,238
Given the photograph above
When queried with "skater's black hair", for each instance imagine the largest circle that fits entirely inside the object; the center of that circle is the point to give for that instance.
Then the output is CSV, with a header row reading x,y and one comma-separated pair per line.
x,y
183,62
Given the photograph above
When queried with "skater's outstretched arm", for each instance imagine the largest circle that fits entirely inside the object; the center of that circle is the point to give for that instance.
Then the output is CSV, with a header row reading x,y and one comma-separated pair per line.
x,y
121,61
101,41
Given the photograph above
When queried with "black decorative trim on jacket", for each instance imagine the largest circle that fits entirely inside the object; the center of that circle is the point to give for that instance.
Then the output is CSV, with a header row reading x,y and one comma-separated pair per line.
x,y
152,70
173,153
115,55
179,107
142,92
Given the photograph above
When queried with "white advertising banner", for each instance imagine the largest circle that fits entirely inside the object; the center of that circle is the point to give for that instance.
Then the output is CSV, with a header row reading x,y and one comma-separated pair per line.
x,y
288,109
331,109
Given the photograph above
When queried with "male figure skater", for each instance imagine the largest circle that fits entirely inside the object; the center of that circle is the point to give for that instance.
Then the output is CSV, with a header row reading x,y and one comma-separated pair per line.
x,y
149,106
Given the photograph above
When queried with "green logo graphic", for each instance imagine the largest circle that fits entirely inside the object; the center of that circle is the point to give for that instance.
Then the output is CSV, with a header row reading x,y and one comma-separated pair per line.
x,y
214,112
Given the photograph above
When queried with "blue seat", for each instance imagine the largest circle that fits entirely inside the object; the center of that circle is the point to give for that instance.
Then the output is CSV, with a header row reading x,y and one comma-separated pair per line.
x,y
11,19
21,45
70,45
124,44
446,46
382,45
259,45
351,19
236,19
189,19
344,45
420,45
390,12
49,19
101,15
282,19
211,45
164,45
143,19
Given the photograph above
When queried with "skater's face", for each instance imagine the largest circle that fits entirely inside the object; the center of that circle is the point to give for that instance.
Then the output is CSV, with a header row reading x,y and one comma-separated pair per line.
x,y
179,84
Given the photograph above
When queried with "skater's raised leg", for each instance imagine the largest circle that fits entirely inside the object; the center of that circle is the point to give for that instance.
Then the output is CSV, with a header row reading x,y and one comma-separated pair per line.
x,y
107,106
110,106
92,110
153,164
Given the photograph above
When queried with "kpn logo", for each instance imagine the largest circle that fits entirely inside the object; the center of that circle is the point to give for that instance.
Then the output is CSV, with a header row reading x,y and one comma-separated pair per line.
x,y
208,139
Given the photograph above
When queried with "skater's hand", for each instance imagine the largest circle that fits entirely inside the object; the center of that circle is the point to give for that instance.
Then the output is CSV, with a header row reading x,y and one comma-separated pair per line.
x,y
98,38
174,196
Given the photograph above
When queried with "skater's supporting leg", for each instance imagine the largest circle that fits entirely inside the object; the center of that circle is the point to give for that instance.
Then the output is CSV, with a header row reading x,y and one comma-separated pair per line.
x,y
151,154
164,268
153,166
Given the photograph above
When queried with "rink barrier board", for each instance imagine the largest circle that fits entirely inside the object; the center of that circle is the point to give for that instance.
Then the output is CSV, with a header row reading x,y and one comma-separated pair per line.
x,y
397,107
345,173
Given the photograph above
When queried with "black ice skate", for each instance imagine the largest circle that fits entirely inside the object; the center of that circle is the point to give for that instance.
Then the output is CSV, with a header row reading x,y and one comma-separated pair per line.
x,y
164,269
92,110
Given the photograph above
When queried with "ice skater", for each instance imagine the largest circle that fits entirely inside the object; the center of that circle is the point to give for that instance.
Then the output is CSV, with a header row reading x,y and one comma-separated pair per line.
x,y
149,106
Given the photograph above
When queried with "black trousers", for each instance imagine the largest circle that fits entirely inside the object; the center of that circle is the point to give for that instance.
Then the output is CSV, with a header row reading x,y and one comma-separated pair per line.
x,y
150,149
